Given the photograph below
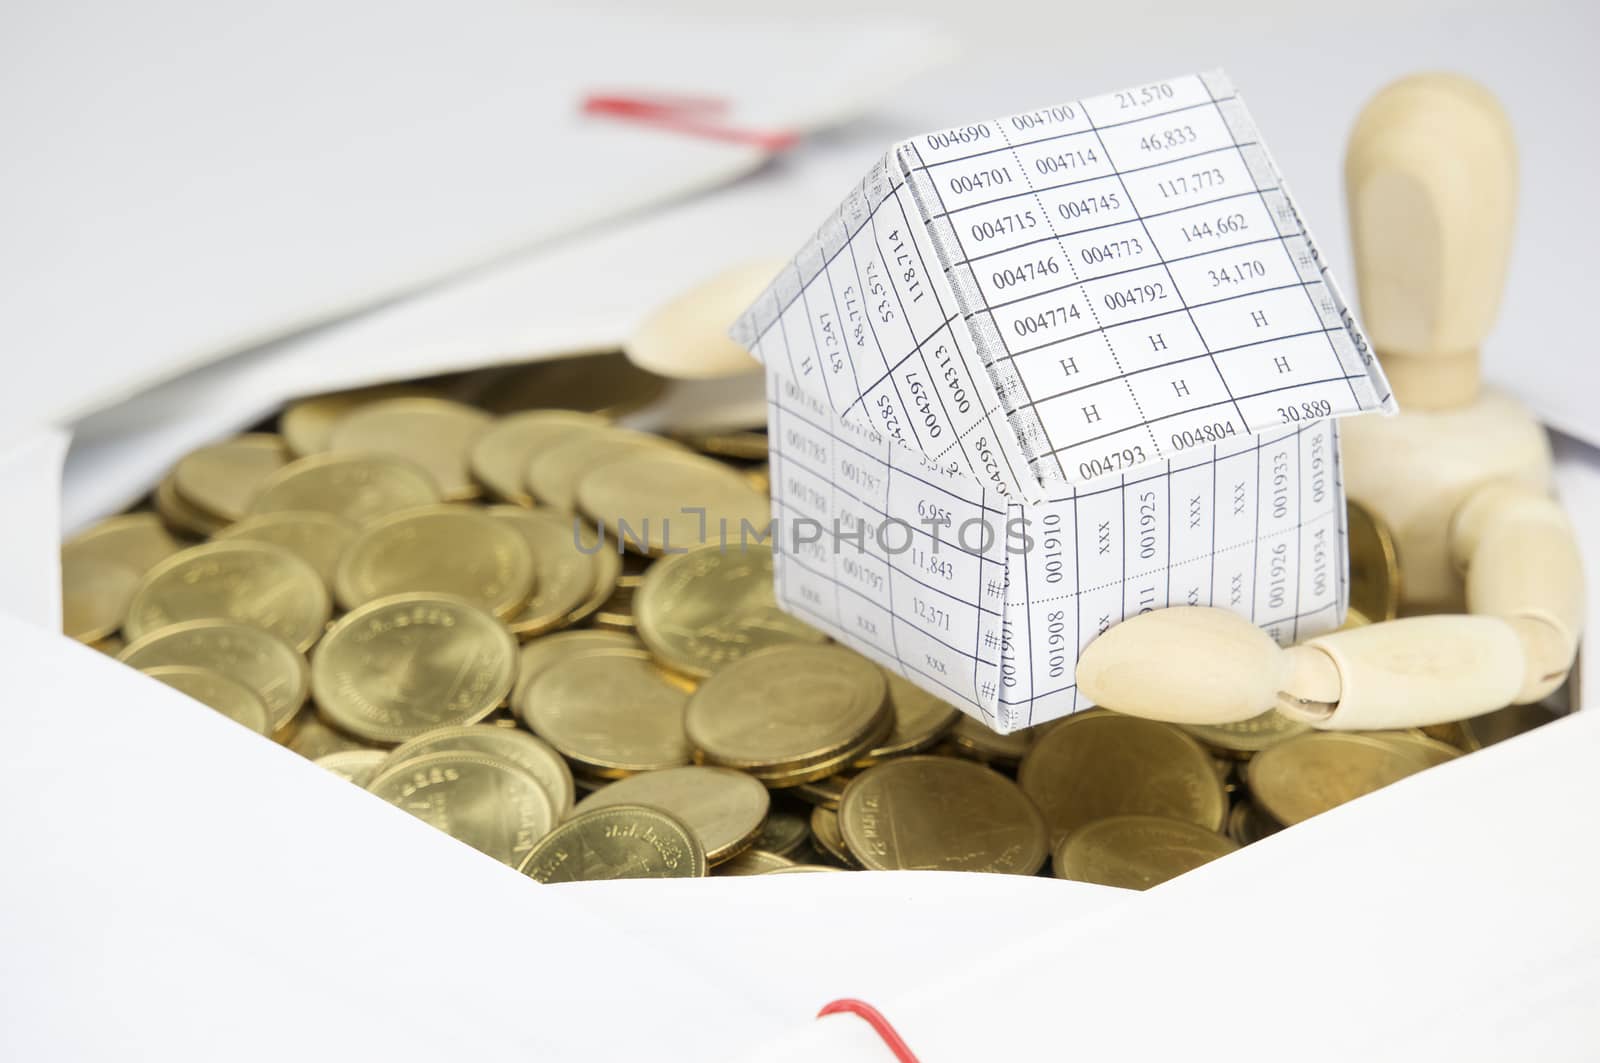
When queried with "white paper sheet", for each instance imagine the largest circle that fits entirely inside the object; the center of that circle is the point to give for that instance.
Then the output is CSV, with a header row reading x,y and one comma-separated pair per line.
x,y
1448,917
178,887
189,179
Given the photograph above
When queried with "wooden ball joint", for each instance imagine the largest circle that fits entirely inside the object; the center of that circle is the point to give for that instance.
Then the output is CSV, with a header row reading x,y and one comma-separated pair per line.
x,y
1462,476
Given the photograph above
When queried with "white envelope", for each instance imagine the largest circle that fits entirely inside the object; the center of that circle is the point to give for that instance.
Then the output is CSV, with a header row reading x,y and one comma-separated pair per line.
x,y
128,929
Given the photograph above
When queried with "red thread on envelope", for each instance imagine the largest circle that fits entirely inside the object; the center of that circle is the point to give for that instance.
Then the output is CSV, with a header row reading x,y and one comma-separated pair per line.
x,y
873,1018
694,115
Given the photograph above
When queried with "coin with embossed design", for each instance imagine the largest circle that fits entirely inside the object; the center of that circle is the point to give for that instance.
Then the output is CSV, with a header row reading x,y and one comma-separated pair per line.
x,y
444,549
1097,764
611,712
400,666
564,575
254,656
790,714
491,804
520,748
1137,852
1306,776
724,809
315,538
624,841
940,813
357,487
699,610
249,582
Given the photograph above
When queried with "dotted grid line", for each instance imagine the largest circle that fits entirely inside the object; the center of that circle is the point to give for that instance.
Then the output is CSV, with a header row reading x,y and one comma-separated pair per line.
x,y
1113,224
1054,451
1304,234
1022,437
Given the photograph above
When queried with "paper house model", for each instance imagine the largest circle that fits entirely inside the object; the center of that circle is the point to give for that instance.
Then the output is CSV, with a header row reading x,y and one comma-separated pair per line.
x,y
1040,374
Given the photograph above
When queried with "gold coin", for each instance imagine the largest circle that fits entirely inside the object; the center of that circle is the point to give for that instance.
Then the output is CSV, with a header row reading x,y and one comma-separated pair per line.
x,y
501,454
1247,824
437,434
520,748
740,445
564,576
920,720
783,832
1098,764
973,739
102,567
552,476
353,765
223,478
611,712
657,504
541,653
254,656
759,477
829,838
624,841
248,582
755,862
1374,565
315,538
214,690
444,549
180,515
399,666
941,813
605,383
801,869
491,804
1248,736
723,809
698,611
1431,750
825,792
111,645
1136,852
789,711
308,424
313,738
358,487
1306,776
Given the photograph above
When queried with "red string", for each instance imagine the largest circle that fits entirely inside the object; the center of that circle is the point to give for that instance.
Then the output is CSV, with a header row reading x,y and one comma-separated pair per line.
x,y
874,1018
692,115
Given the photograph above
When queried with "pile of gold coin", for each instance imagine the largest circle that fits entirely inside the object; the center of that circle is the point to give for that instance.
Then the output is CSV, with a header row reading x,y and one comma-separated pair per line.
x,y
419,587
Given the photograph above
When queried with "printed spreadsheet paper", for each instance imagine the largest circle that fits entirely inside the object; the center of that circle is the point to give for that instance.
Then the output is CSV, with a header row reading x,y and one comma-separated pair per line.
x,y
1063,367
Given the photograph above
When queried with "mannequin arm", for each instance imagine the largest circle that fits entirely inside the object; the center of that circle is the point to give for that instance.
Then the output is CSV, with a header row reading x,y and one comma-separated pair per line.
x,y
1524,585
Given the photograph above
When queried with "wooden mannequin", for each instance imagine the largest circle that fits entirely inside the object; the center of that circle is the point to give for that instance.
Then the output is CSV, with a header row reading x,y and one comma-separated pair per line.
x,y
1462,477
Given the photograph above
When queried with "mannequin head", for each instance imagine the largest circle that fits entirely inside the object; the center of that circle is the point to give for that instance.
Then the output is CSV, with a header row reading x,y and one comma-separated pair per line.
x,y
1430,172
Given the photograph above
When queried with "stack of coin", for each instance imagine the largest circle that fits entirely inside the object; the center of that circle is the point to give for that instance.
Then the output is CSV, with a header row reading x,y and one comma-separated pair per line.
x,y
546,635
